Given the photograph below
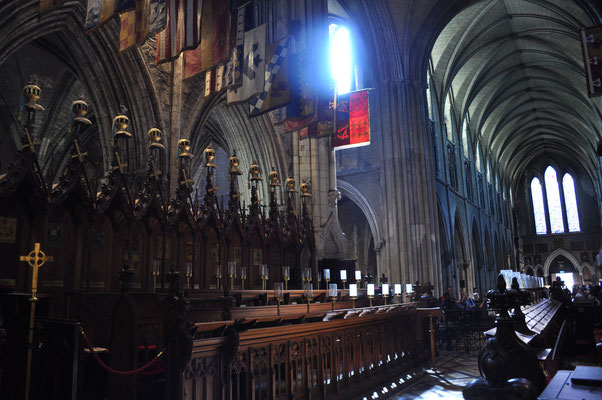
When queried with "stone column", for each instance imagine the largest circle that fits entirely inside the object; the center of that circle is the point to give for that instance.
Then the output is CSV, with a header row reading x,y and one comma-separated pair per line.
x,y
411,250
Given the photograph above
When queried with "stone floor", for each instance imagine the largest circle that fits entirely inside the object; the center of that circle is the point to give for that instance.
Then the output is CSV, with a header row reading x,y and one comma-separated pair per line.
x,y
453,372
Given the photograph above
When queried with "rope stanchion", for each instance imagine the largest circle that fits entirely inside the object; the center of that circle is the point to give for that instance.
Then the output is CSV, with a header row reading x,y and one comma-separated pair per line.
x,y
114,371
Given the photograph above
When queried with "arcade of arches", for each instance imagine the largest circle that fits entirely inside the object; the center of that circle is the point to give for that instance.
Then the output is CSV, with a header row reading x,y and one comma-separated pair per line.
x,y
443,190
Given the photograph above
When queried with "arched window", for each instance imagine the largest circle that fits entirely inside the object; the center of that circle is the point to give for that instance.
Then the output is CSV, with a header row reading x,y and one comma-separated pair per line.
x,y
554,206
489,172
538,208
553,203
570,200
465,146
447,112
341,57
429,99
478,157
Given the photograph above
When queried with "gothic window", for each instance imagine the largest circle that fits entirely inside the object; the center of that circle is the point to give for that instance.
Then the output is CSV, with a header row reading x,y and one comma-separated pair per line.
x,y
570,201
447,117
429,99
341,60
538,208
556,208
453,178
478,159
468,175
553,197
465,146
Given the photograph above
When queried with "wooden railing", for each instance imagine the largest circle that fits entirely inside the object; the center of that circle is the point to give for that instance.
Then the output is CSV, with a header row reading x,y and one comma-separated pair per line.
x,y
318,360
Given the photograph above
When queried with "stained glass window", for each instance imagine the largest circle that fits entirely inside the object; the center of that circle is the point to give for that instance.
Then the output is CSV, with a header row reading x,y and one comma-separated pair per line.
x,y
538,210
570,200
554,206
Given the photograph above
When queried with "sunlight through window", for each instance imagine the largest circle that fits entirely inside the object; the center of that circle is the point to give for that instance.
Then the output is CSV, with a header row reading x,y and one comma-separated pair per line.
x,y
554,207
538,210
340,57
570,200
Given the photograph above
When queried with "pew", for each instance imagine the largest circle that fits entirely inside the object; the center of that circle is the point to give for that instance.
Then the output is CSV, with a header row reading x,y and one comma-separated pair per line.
x,y
549,330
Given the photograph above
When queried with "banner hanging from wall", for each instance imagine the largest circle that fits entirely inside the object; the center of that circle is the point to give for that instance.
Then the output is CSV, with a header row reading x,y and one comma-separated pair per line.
x,y
591,41
353,120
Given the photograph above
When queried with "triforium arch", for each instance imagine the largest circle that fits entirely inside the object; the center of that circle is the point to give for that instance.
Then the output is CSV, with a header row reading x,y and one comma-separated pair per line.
x,y
355,195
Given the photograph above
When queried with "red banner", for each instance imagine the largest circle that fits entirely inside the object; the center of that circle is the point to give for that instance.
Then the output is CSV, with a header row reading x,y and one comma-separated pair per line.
x,y
353,121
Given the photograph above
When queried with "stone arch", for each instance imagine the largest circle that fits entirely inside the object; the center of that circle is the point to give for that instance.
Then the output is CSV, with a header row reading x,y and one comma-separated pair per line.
x,y
350,191
463,264
569,256
127,73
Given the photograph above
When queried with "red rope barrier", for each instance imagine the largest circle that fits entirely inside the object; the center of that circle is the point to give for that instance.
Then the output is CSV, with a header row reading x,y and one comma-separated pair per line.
x,y
114,371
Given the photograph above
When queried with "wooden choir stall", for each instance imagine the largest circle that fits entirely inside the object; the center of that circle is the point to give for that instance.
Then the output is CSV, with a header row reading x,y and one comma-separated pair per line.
x,y
147,295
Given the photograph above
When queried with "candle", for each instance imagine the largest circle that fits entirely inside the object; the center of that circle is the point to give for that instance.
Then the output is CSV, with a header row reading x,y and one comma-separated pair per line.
x,y
243,273
343,275
307,274
385,289
370,289
332,290
157,267
189,269
218,271
358,275
232,269
353,290
397,289
278,290
286,272
326,274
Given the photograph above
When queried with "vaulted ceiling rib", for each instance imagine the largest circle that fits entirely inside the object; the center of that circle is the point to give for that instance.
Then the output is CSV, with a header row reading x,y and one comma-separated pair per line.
x,y
516,66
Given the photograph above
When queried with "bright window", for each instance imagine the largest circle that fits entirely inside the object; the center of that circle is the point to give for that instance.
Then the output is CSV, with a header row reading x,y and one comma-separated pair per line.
x,y
465,137
554,206
341,60
538,208
570,200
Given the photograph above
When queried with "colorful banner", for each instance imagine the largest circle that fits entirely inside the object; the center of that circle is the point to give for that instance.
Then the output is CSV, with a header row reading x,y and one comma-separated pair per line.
x,y
276,90
253,68
353,121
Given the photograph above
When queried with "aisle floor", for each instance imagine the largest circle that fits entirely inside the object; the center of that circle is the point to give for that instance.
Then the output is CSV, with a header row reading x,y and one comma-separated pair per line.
x,y
453,372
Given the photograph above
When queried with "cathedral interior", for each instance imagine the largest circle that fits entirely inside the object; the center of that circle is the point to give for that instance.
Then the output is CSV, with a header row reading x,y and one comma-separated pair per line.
x,y
211,245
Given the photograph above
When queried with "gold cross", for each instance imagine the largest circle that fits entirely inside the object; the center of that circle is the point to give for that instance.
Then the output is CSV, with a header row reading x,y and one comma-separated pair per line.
x,y
186,180
30,143
79,155
35,259
119,165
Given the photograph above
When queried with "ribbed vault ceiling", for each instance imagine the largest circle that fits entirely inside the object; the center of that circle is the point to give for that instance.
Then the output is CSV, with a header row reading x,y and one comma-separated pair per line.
x,y
516,67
